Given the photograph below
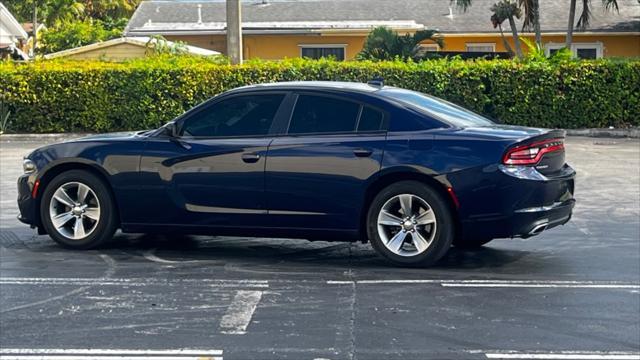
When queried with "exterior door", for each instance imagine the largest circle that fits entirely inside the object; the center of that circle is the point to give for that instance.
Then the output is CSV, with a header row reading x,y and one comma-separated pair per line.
x,y
213,174
316,174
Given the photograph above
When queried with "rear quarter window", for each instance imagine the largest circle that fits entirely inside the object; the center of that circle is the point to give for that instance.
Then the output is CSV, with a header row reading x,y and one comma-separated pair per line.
x,y
411,121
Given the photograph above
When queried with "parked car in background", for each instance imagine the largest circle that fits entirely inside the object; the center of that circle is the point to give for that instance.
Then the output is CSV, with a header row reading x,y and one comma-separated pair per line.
x,y
410,173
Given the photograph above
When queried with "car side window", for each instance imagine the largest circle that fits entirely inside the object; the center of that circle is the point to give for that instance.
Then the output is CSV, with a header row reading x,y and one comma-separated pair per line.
x,y
370,120
249,115
321,114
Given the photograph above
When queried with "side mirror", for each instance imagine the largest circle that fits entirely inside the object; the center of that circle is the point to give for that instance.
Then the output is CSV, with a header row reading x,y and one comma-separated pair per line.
x,y
171,130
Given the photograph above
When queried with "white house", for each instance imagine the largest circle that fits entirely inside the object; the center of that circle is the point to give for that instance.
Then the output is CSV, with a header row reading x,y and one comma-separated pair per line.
x,y
11,34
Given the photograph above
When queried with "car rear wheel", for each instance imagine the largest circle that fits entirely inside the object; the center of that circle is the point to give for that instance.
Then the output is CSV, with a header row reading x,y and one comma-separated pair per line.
x,y
410,224
77,210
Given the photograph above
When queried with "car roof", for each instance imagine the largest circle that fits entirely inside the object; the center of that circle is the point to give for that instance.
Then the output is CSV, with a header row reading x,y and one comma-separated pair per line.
x,y
314,85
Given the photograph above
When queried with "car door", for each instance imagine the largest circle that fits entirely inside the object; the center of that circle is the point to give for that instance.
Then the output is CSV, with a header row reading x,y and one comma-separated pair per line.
x,y
213,173
316,173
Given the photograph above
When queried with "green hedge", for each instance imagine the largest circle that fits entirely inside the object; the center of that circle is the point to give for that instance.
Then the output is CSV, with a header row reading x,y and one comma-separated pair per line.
x,y
101,96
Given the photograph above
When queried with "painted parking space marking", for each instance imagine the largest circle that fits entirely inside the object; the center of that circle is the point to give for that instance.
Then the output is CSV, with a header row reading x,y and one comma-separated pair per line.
x,y
110,354
499,283
248,283
131,282
238,316
565,355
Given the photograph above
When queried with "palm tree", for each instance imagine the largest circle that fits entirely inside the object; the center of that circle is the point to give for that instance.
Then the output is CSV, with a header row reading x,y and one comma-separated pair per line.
x,y
507,10
585,16
531,17
498,23
386,44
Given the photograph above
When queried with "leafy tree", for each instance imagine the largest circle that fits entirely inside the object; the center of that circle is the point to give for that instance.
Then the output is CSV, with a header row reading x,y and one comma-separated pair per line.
x,y
507,10
53,12
67,35
158,45
385,44
585,16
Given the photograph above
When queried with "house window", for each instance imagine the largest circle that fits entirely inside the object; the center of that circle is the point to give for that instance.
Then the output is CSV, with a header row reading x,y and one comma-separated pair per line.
x,y
428,47
481,47
587,50
579,50
318,51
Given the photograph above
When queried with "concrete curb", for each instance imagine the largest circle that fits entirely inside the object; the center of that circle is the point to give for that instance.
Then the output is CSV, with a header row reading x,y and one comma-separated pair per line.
x,y
633,133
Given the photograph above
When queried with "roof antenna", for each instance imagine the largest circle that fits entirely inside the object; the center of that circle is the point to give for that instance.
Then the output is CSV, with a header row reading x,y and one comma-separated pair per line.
x,y
199,13
376,82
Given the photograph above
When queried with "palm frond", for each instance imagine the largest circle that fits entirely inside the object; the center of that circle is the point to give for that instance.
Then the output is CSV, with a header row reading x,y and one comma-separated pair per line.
x,y
423,35
529,13
611,5
463,5
585,15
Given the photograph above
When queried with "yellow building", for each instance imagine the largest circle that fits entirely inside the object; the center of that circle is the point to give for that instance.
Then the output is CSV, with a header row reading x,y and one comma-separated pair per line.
x,y
277,29
121,49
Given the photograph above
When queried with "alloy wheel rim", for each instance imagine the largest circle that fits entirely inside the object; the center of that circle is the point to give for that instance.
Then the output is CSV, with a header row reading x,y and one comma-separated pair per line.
x,y
74,210
407,225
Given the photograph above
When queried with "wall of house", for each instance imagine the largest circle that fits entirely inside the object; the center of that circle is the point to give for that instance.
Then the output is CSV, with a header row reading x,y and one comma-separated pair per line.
x,y
279,46
116,52
615,45
273,47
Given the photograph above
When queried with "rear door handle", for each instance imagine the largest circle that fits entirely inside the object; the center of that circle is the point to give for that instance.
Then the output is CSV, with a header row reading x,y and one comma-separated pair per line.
x,y
362,152
250,158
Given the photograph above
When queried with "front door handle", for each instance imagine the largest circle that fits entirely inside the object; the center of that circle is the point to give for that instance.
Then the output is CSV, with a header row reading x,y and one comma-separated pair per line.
x,y
362,152
250,157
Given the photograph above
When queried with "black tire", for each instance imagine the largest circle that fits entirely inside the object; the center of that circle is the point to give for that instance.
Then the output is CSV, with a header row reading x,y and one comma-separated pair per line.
x,y
444,232
470,244
107,222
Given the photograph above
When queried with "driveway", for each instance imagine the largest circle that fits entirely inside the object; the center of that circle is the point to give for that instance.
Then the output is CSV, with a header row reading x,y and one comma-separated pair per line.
x,y
572,292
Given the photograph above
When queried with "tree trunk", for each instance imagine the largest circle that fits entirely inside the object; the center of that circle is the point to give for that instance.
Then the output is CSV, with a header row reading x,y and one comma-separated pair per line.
x,y
35,29
504,41
516,39
536,22
572,18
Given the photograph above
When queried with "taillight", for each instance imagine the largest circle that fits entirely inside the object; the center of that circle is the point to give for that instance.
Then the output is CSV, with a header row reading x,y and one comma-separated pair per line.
x,y
532,153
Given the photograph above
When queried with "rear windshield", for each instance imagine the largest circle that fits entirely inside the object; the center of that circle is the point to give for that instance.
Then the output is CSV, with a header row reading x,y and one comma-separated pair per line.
x,y
449,112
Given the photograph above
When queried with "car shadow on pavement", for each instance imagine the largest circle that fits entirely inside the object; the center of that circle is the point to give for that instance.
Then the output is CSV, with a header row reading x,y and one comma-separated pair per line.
x,y
295,252
259,252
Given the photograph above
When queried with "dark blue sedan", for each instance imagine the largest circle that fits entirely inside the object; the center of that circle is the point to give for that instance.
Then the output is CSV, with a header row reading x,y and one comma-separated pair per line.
x,y
411,173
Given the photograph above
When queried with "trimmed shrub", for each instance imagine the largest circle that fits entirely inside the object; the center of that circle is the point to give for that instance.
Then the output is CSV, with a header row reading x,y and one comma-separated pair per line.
x,y
89,96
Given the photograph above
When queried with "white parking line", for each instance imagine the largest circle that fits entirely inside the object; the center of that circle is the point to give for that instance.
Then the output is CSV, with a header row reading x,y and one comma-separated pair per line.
x,y
130,282
500,283
578,286
239,313
109,354
106,357
567,355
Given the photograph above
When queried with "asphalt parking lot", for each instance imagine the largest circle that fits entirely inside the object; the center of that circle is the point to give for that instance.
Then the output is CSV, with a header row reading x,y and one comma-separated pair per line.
x,y
571,293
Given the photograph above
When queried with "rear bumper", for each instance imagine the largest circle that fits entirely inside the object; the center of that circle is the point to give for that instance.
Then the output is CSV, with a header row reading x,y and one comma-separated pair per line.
x,y
26,203
522,223
517,204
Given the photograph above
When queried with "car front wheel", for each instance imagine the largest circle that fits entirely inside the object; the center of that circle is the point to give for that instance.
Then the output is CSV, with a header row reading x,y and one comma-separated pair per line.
x,y
410,224
77,210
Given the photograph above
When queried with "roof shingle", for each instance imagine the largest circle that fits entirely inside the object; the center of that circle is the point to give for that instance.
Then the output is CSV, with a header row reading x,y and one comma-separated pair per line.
x,y
157,16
